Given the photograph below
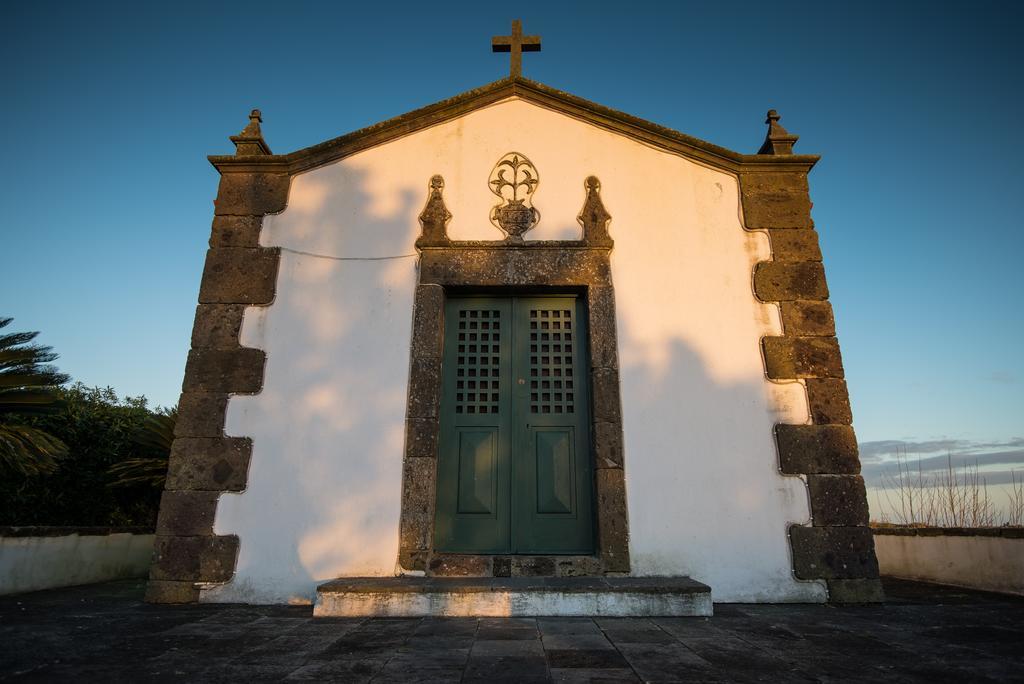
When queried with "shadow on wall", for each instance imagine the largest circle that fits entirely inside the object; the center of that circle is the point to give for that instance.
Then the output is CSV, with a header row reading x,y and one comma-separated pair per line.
x,y
325,479
704,491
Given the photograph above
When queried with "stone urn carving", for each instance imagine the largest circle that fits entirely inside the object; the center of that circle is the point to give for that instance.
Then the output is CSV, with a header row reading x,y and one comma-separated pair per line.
x,y
514,180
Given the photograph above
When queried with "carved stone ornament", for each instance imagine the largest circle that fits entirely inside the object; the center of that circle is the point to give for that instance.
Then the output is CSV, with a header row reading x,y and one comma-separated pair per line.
x,y
250,140
435,216
514,179
778,140
594,217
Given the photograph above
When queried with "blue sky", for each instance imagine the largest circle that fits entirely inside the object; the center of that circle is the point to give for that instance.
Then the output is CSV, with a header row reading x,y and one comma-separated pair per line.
x,y
109,110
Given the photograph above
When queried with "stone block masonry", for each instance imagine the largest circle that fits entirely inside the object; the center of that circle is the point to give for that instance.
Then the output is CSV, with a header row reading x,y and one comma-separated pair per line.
x,y
204,462
837,547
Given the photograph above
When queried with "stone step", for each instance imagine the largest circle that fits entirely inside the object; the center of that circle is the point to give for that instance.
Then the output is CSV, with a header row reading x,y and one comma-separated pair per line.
x,y
512,597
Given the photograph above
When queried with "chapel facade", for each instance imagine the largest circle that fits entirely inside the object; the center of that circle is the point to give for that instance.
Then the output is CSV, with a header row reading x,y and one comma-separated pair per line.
x,y
514,334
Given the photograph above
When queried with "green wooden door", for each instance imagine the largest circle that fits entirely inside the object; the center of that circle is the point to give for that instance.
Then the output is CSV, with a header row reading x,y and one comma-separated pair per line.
x,y
514,472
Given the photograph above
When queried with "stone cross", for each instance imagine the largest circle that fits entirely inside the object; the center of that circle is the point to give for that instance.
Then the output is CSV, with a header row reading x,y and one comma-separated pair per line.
x,y
516,44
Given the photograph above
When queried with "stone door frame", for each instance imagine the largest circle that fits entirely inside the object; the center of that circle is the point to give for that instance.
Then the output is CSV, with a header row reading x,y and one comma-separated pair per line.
x,y
481,267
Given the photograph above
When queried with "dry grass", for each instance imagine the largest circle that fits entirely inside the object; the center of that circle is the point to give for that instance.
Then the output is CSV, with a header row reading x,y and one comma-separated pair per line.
x,y
1015,516
957,496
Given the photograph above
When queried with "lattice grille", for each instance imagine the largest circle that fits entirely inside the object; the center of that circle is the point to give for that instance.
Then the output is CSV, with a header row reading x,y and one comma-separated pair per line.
x,y
551,361
476,384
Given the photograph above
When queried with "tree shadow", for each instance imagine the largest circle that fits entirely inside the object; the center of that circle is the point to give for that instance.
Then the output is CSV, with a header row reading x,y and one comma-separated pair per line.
x,y
325,479
705,495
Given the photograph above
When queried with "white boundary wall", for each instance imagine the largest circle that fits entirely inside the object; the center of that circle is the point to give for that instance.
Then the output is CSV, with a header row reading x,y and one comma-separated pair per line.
x,y
988,562
48,562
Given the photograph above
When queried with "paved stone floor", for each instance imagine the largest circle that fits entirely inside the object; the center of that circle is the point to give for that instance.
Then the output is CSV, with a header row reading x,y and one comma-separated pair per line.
x,y
105,633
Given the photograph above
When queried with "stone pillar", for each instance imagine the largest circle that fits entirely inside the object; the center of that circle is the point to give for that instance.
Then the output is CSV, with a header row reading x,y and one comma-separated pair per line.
x,y
838,546
203,461
606,431
416,527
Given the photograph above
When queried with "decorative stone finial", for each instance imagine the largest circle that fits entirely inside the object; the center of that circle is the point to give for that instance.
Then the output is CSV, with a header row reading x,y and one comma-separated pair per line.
x,y
250,140
778,140
594,217
515,214
435,216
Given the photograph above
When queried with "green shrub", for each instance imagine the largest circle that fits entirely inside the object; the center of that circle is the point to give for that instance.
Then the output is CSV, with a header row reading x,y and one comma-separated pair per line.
x,y
100,431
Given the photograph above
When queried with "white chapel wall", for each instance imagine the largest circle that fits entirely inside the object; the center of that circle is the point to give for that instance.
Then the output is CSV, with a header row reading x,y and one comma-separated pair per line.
x,y
323,495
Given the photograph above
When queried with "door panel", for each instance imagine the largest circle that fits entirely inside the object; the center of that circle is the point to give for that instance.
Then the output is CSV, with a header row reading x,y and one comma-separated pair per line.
x,y
552,481
514,466
554,453
474,451
478,477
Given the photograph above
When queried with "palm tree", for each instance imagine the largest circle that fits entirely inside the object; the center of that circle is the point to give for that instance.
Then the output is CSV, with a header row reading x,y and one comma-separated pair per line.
x,y
27,388
153,447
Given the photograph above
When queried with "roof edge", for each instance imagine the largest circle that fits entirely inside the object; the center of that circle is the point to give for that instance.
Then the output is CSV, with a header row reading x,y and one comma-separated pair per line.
x,y
612,120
